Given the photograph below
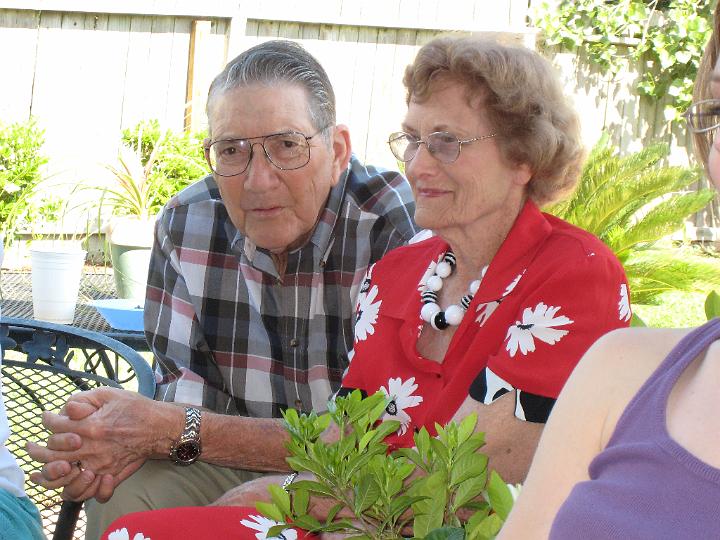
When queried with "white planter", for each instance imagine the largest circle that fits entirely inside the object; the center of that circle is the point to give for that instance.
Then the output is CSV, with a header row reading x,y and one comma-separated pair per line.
x,y
56,273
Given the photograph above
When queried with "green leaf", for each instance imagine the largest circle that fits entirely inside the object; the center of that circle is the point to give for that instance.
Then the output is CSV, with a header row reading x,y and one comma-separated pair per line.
x,y
499,495
312,487
412,455
300,501
446,533
468,466
472,444
276,530
401,504
307,522
366,493
712,305
475,521
422,442
430,511
333,512
270,510
467,427
487,529
281,498
298,463
468,490
440,450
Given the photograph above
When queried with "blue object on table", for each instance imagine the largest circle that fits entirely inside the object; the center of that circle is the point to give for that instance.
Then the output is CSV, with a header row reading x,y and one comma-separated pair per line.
x,y
121,314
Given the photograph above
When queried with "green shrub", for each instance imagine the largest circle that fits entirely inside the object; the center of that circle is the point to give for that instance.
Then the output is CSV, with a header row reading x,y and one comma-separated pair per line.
x,y
175,159
21,161
379,489
630,202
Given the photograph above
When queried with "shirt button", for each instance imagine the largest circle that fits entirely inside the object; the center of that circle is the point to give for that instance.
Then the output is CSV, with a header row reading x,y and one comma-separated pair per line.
x,y
294,342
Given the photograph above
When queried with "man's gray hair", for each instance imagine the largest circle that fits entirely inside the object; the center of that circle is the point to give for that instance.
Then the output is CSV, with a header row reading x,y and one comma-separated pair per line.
x,y
280,62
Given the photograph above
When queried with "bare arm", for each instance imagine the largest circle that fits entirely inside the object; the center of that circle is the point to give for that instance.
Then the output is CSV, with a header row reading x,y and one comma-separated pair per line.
x,y
510,442
580,425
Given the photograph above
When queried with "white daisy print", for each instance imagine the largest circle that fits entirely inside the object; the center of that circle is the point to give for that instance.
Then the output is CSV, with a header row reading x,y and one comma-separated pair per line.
x,y
624,304
488,308
513,284
367,314
123,534
536,323
263,525
485,310
401,398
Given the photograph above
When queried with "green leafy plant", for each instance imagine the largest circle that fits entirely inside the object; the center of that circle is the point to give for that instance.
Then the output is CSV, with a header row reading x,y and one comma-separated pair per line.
x,y
152,166
21,161
442,488
156,165
630,202
666,39
712,305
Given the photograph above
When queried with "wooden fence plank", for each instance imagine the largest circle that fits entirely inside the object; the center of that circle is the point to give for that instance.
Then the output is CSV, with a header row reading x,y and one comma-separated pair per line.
x,y
20,35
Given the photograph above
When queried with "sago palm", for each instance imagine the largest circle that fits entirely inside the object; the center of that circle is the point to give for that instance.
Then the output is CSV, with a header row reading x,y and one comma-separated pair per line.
x,y
630,202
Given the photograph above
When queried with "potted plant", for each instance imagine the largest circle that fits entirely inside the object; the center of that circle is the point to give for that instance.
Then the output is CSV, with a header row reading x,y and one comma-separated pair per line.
x,y
152,166
440,489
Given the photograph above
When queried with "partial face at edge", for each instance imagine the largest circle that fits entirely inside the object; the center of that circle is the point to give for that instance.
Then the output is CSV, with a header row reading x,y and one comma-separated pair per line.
x,y
714,156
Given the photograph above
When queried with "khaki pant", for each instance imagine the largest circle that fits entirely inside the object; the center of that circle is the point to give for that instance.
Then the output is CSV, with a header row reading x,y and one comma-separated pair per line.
x,y
162,484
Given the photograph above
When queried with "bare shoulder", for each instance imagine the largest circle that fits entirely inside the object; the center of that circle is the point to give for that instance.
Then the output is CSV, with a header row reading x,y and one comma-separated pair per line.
x,y
638,350
617,365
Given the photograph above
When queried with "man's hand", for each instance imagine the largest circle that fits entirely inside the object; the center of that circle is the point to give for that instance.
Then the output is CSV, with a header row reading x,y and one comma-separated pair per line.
x,y
108,433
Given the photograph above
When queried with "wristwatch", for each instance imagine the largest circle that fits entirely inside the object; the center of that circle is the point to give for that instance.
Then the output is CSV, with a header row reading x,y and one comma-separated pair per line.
x,y
187,449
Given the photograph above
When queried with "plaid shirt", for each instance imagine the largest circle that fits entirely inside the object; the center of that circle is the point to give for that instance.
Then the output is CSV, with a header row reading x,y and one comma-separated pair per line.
x,y
230,334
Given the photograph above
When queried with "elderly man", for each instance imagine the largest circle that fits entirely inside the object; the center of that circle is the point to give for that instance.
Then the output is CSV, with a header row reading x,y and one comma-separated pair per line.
x,y
250,298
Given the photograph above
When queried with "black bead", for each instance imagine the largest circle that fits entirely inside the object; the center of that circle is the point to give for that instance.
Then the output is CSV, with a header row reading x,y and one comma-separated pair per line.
x,y
438,322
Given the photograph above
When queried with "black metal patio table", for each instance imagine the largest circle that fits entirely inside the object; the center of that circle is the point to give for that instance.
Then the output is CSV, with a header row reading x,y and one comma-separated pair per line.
x,y
96,284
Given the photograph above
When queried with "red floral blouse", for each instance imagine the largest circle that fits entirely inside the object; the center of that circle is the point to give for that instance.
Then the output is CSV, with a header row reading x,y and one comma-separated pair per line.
x,y
550,292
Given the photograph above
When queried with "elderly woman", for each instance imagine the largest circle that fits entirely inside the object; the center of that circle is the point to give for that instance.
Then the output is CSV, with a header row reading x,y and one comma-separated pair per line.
x,y
492,312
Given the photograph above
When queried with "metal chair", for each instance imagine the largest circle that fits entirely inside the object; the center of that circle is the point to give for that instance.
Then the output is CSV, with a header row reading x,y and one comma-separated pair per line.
x,y
43,365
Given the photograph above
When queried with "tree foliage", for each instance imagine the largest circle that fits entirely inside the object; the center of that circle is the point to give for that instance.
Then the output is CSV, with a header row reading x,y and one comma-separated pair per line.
x,y
665,38
21,162
630,202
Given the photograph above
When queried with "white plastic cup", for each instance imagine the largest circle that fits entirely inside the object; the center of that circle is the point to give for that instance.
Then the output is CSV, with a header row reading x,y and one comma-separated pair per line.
x,y
56,283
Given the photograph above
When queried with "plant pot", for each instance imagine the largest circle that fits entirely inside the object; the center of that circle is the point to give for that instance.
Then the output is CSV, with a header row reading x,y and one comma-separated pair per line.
x,y
130,245
56,273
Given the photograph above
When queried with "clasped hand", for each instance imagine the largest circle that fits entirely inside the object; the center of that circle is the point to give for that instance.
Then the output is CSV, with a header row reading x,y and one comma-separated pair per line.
x,y
98,440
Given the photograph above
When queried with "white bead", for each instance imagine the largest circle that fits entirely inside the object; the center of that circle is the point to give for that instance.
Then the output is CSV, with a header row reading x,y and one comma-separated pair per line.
x,y
443,269
434,283
484,271
428,311
474,286
454,315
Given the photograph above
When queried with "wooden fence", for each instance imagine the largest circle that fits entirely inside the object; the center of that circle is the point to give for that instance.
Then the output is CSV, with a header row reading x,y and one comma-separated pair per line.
x,y
87,70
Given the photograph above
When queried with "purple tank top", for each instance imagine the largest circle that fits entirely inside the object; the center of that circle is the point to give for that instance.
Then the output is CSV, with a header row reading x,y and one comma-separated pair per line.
x,y
644,484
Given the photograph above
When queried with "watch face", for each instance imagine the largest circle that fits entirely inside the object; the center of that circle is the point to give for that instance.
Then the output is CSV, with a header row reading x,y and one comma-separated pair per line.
x,y
187,452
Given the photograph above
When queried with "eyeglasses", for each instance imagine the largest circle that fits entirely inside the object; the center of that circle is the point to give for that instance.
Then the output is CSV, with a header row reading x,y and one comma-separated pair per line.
x,y
287,151
703,116
443,146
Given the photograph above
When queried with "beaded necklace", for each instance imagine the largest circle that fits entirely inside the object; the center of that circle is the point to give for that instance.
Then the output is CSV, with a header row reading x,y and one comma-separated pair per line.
x,y
453,315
